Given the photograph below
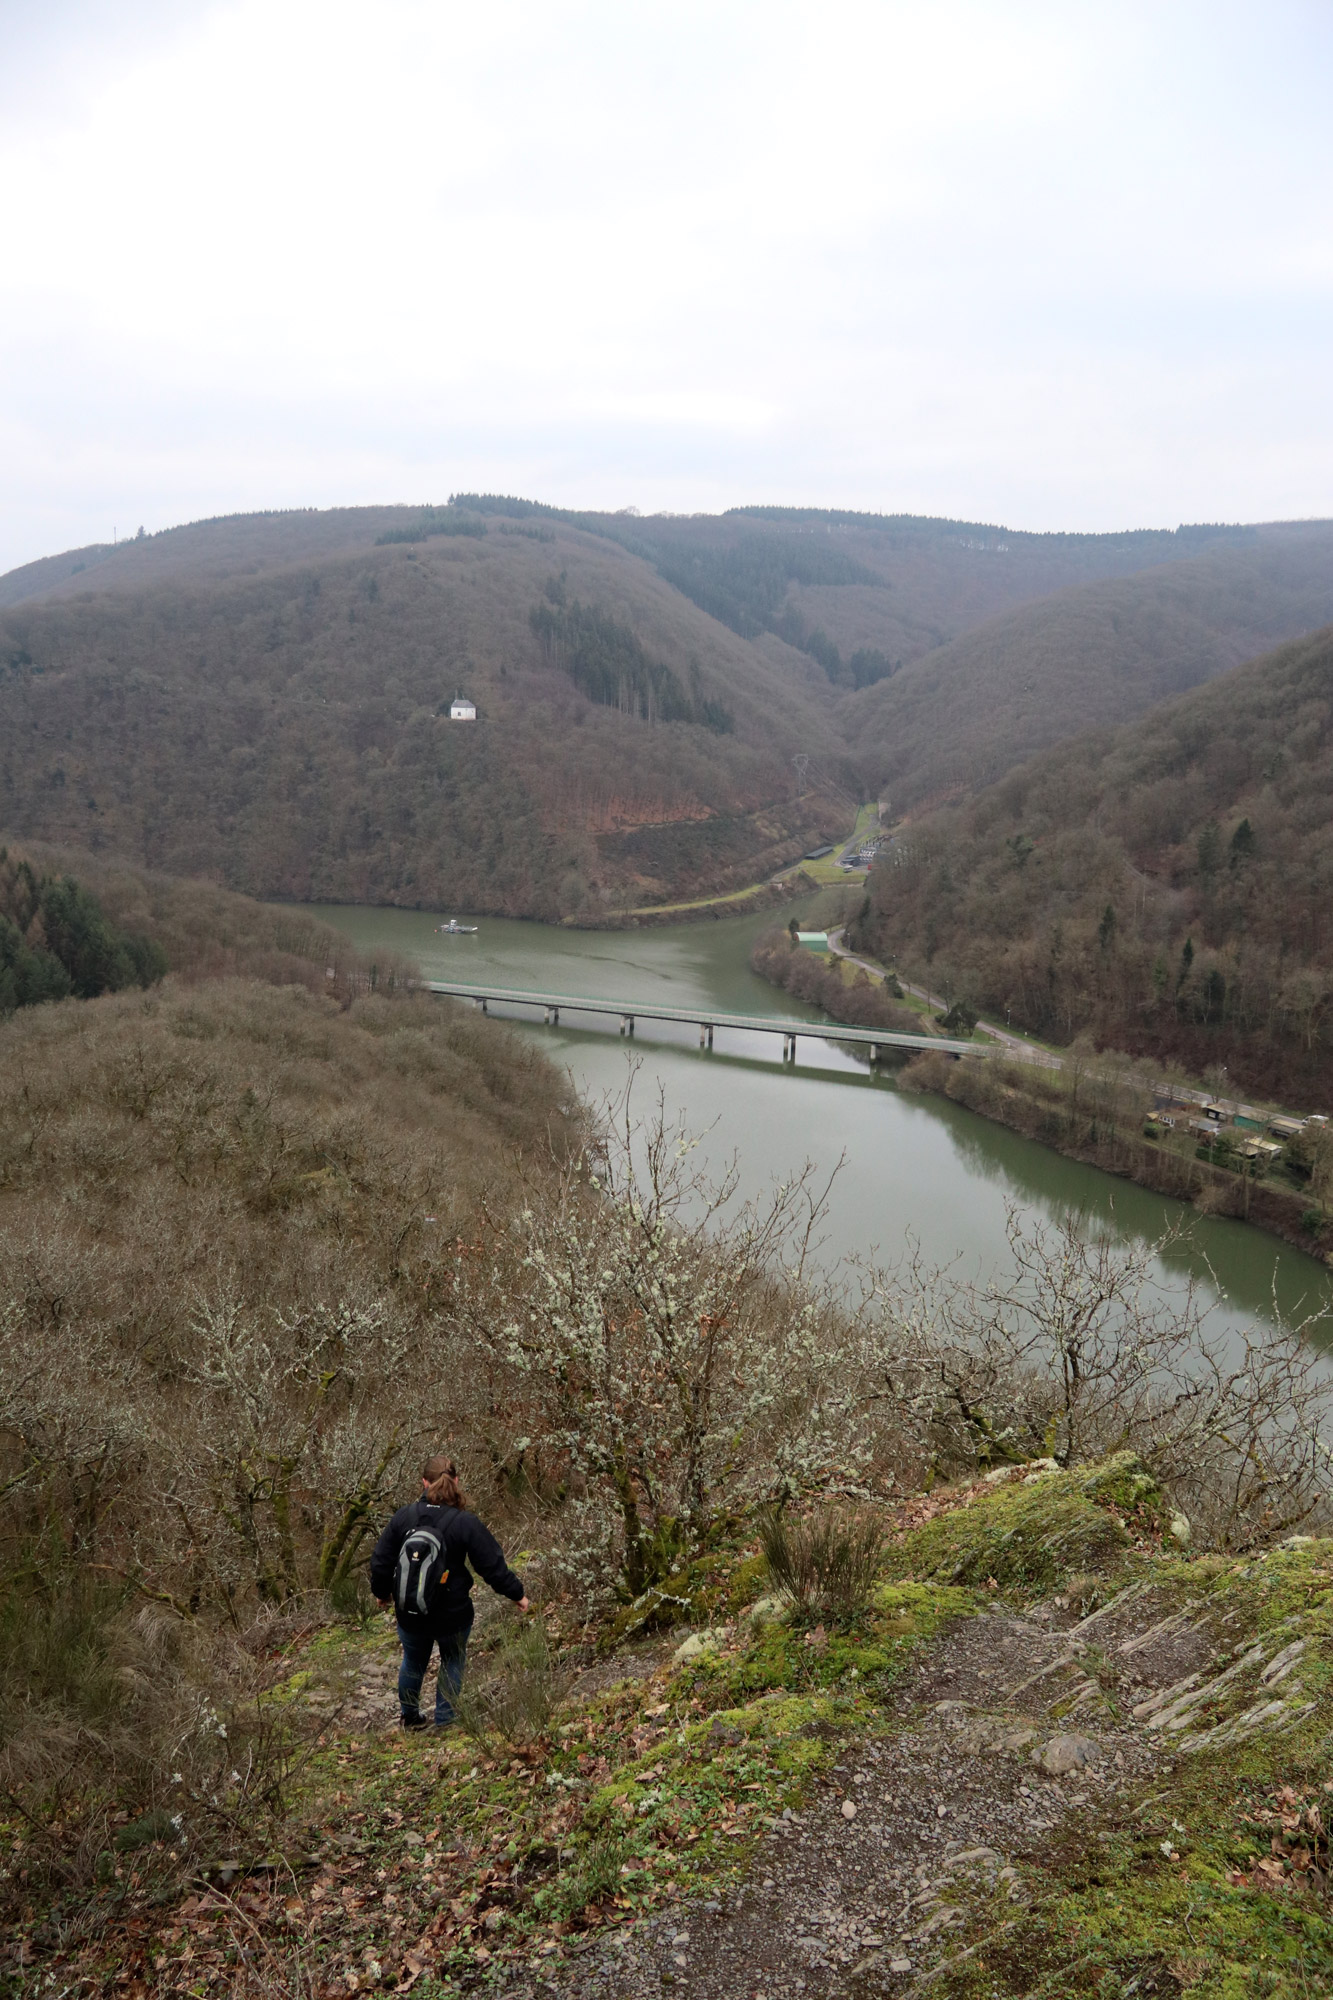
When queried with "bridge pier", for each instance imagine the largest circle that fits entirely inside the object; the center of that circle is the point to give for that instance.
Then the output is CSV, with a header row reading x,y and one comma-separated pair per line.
x,y
482,1004
627,1024
553,1017
789,1049
705,1034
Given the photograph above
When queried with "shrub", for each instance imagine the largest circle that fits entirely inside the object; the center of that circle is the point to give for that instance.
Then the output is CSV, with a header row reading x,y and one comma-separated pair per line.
x,y
510,1695
130,1728
663,1343
827,1564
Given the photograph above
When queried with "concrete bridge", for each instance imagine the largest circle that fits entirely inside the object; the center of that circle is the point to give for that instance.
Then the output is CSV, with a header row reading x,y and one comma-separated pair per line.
x,y
706,1019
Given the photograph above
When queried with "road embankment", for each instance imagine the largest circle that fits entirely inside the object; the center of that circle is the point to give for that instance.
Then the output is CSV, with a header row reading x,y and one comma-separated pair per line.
x,y
807,976
1095,1113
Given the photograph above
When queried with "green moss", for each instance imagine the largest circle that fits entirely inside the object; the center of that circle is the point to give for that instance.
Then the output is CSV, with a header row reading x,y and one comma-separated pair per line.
x,y
711,1587
778,1657
1026,1535
1122,1483
1174,1900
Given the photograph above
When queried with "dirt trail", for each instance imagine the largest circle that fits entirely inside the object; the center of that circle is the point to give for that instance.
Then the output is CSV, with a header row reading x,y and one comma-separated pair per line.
x,y
927,1842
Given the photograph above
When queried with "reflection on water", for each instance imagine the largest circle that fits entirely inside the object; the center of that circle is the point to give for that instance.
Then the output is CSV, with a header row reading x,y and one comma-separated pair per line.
x,y
913,1168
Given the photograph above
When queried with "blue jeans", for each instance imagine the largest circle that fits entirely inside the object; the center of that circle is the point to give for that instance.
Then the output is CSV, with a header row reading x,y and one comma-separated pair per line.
x,y
418,1642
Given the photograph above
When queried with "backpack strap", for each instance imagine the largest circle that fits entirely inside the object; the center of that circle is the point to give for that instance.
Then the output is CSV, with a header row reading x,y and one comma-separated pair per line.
x,y
426,1510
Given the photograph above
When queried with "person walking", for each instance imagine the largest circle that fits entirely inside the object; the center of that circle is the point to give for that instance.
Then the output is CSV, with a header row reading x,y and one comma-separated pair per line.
x,y
420,1567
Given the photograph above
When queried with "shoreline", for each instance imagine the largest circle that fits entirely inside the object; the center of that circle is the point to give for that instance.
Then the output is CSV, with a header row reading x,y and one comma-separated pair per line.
x,y
1097,1120
1106,1144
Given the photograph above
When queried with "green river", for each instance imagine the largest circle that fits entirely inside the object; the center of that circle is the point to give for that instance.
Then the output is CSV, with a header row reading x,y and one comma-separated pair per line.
x,y
913,1169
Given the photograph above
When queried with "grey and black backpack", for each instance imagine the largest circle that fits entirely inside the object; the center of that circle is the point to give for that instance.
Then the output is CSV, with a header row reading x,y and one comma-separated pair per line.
x,y
423,1565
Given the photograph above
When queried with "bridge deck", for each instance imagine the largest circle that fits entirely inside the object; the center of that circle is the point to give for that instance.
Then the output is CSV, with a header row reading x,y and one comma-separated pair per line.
x,y
701,1017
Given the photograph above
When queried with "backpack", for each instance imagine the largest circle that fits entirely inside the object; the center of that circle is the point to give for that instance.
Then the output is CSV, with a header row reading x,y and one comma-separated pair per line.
x,y
422,1570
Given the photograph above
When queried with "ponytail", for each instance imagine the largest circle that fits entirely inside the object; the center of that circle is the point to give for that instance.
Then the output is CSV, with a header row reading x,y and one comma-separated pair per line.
x,y
440,1476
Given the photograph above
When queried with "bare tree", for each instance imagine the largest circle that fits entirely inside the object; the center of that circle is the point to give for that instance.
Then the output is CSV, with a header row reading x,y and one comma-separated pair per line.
x,y
662,1338
1078,1350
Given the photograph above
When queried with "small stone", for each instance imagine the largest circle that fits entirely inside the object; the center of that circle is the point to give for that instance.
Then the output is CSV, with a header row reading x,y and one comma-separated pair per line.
x,y
941,1811
1180,1528
849,1809
1018,1739
1066,1753
900,1965
413,1840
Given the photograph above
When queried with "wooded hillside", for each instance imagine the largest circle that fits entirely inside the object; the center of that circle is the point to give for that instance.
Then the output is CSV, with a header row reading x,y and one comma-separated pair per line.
x,y
264,699
285,728
1095,655
1166,886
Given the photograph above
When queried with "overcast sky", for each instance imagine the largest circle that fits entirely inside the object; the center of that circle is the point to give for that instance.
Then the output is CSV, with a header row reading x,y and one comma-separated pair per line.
x,y
1064,265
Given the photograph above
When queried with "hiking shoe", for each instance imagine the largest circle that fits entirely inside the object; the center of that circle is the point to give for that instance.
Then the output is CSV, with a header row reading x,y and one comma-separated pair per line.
x,y
415,1722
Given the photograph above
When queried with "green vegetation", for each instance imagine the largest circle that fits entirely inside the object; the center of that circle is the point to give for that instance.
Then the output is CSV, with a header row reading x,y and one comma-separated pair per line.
x,y
1032,1534
844,992
661,1789
433,521
1160,889
56,940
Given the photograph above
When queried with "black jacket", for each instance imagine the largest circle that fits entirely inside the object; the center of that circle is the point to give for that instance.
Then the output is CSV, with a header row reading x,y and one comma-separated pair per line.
x,y
466,1540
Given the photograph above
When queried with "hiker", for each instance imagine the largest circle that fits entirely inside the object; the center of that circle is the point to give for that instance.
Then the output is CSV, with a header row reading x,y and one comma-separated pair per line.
x,y
420,1567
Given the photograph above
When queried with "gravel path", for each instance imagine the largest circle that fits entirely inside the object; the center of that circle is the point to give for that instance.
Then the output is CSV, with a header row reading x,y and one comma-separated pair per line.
x,y
921,1839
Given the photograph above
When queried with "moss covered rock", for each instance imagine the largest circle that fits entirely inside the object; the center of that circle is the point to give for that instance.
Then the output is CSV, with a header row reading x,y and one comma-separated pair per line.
x,y
1031,1532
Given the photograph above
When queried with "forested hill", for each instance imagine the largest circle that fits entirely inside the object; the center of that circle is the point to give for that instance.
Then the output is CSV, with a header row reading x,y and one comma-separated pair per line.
x,y
263,699
960,717
279,720
1167,886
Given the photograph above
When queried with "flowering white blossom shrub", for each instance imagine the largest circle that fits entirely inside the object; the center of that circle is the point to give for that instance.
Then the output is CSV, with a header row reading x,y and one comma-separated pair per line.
x,y
662,1344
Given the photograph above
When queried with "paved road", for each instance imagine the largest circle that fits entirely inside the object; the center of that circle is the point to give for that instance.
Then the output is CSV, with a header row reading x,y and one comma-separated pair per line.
x,y
1016,1045
1042,1058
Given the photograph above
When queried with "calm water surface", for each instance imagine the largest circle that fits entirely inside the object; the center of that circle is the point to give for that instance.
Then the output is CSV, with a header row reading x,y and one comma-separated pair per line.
x,y
911,1167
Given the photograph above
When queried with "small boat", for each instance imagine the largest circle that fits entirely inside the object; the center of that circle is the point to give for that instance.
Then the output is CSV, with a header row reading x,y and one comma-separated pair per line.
x,y
454,929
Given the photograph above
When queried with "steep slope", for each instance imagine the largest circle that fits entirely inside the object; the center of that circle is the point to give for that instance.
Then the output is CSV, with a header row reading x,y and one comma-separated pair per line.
x,y
863,594
960,717
1167,885
266,702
